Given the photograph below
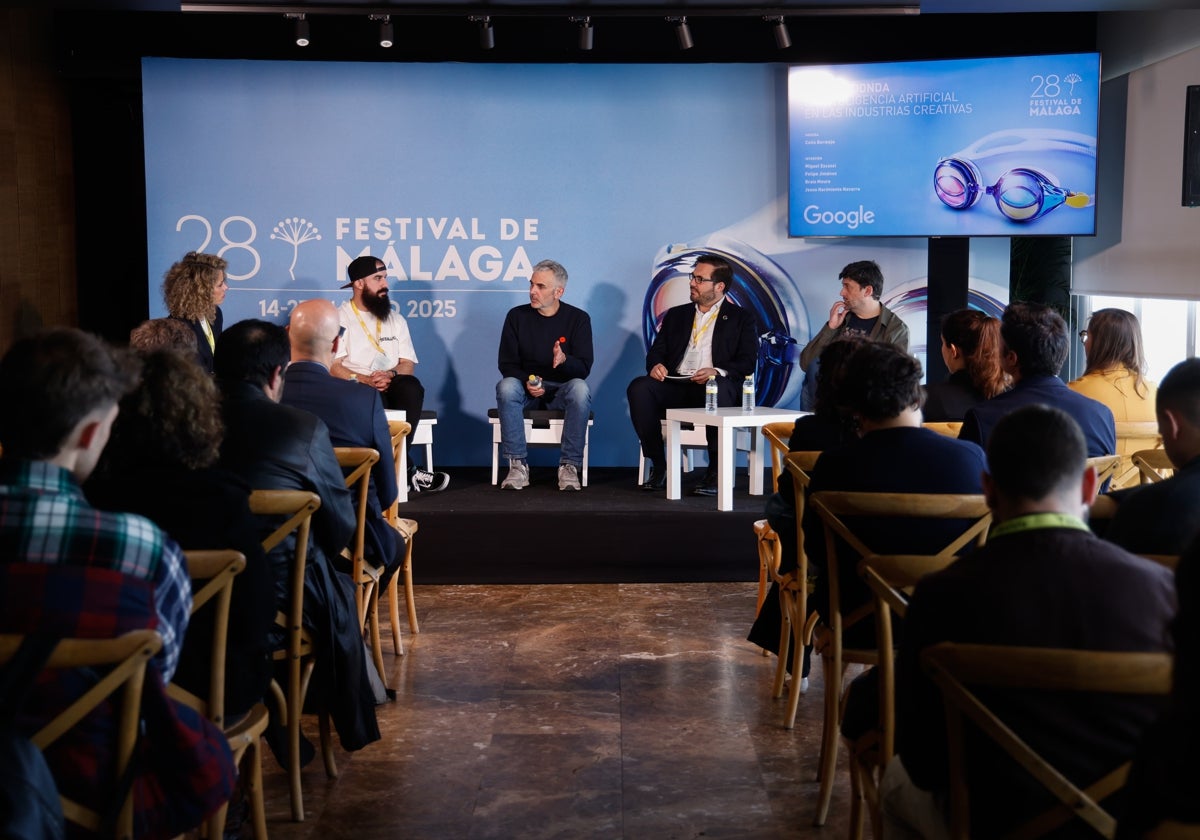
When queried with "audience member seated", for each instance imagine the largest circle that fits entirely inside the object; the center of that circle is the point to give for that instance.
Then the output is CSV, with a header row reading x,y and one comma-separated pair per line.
x,y
1033,348
162,334
1116,374
278,447
1164,517
1163,781
63,563
160,463
353,414
880,388
971,351
826,428
1042,580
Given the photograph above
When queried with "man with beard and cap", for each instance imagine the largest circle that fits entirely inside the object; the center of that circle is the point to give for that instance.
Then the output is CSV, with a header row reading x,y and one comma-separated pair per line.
x,y
376,350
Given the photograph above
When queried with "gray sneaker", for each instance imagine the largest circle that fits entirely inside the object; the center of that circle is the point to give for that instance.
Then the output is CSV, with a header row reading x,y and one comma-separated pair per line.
x,y
517,478
568,477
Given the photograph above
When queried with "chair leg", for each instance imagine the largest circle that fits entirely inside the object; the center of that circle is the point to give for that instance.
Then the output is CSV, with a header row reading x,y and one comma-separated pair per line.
x,y
394,615
373,629
857,802
785,636
793,704
832,664
331,769
252,767
295,700
409,598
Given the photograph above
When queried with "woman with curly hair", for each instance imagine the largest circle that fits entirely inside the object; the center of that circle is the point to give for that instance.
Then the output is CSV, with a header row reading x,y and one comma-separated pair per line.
x,y
193,290
1116,376
159,462
971,351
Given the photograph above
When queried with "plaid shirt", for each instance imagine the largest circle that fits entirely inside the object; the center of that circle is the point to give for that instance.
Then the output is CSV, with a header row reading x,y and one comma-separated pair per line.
x,y
44,518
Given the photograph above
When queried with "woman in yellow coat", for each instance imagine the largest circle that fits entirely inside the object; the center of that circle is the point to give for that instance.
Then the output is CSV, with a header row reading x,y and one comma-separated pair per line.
x,y
1116,376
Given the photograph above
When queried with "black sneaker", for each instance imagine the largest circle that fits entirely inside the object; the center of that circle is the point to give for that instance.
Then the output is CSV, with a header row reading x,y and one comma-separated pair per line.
x,y
423,481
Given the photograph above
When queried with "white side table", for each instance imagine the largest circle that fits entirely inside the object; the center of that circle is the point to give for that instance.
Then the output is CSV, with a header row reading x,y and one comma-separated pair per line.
x,y
727,420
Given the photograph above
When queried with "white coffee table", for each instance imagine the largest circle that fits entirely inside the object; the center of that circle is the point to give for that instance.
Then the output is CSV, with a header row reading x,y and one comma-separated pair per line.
x,y
726,420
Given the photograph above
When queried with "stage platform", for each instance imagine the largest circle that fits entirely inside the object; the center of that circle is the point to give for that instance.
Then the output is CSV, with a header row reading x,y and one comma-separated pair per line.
x,y
610,532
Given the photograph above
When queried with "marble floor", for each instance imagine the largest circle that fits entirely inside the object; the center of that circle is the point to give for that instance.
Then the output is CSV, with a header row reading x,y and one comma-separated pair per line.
x,y
575,711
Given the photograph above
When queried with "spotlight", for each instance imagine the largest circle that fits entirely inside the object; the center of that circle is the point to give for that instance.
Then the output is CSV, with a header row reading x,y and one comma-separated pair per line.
x,y
683,32
299,29
783,38
586,32
387,35
487,35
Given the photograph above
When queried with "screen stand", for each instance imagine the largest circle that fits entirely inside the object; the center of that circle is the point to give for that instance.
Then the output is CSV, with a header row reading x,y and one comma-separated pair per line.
x,y
948,268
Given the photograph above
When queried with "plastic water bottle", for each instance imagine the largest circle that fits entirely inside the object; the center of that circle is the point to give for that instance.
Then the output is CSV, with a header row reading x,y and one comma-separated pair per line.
x,y
748,394
535,381
710,395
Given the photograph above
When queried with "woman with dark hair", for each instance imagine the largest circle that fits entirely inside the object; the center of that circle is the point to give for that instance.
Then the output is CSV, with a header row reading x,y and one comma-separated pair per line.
x,y
971,351
159,462
1116,376
193,290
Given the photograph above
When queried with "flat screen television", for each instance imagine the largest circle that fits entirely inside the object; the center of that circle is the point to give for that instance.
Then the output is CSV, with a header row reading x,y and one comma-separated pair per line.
x,y
962,147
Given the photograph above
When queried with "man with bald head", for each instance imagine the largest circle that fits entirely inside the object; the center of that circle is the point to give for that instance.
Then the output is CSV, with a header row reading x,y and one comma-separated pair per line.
x,y
353,414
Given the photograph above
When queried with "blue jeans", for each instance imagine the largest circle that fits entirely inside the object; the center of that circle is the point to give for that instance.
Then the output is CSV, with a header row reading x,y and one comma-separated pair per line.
x,y
573,398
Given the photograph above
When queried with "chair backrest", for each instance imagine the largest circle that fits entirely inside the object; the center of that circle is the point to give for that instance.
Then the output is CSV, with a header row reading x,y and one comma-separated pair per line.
x,y
356,462
835,507
778,434
1153,465
958,668
123,662
1107,468
949,428
212,573
399,429
799,465
296,507
1143,432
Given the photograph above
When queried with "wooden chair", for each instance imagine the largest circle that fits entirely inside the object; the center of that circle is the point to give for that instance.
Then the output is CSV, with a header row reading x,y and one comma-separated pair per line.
x,y
356,462
891,578
213,574
777,436
834,508
796,630
123,661
958,669
1153,465
1107,469
1133,436
949,428
296,508
408,530
399,430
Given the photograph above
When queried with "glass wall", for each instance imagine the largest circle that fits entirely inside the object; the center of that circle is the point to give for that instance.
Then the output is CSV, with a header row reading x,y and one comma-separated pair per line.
x,y
1168,329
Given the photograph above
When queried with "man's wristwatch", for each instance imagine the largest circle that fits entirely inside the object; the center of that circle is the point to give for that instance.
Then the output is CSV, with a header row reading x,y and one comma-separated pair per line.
x,y
354,377
393,372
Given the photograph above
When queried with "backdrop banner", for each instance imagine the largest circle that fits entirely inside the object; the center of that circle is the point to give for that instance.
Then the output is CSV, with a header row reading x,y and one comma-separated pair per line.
x,y
461,177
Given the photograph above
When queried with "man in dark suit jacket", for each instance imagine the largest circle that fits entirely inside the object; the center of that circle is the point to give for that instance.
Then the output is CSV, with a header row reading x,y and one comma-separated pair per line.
x,y
278,447
353,414
1164,518
708,337
1034,345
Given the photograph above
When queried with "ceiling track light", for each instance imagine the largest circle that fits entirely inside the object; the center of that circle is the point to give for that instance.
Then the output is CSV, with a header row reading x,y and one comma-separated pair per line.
x,y
783,38
299,28
487,35
387,35
586,32
683,32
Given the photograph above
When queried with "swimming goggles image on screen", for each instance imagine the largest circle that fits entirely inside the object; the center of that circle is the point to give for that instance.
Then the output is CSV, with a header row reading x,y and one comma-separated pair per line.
x,y
1022,193
760,285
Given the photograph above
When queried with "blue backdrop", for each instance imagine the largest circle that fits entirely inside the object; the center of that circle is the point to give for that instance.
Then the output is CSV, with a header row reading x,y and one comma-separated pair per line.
x,y
461,177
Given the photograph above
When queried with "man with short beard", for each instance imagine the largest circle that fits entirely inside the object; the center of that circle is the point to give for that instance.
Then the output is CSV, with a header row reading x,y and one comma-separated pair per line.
x,y
377,350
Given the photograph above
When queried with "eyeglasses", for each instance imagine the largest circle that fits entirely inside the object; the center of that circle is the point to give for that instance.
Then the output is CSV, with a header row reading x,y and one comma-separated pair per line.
x,y
695,278
1083,335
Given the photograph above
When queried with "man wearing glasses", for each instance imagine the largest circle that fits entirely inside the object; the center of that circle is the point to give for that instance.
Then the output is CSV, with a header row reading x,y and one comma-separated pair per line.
x,y
708,337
